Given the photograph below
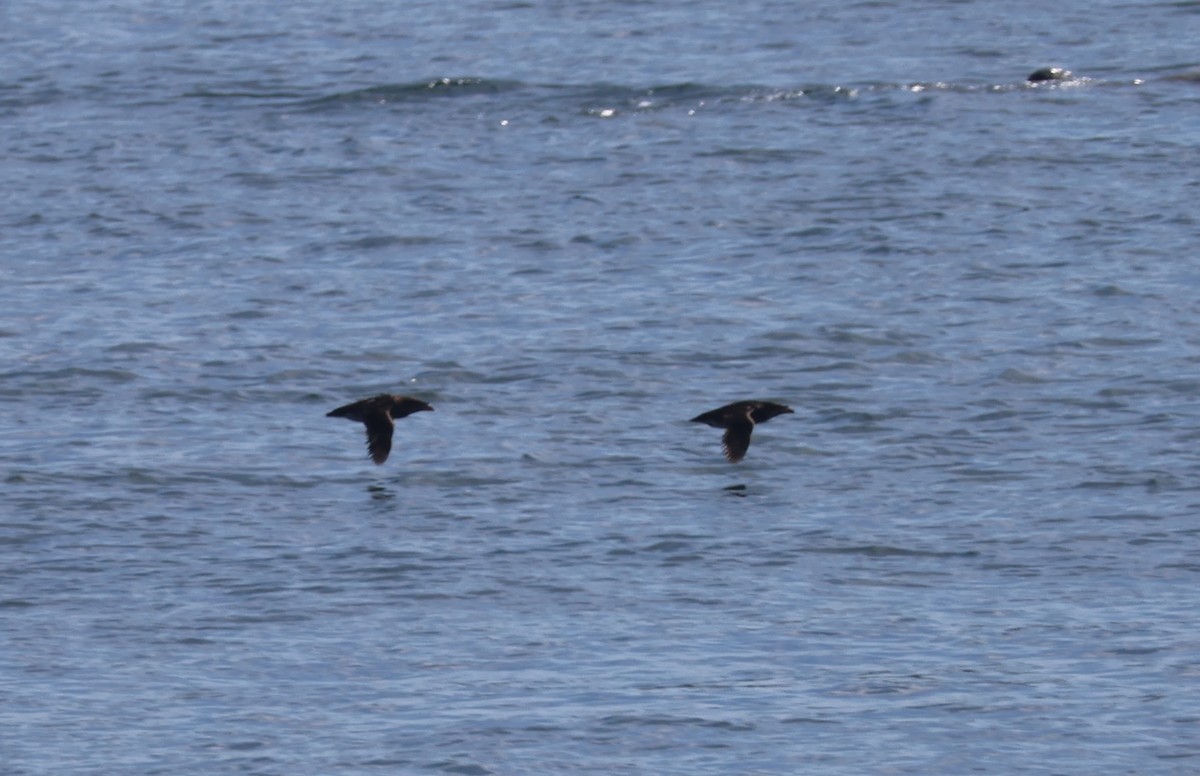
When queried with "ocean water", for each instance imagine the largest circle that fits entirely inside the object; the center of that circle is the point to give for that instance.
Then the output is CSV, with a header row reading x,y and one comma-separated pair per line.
x,y
571,227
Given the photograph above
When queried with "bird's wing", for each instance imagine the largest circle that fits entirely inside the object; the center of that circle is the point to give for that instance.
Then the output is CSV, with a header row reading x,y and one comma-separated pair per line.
x,y
351,411
714,418
379,435
736,440
766,410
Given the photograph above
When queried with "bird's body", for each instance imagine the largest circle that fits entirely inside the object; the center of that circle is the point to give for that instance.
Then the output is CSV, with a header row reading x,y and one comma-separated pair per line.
x,y
738,419
378,414
1049,74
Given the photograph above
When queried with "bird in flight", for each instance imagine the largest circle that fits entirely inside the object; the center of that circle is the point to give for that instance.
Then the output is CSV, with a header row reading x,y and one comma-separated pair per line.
x,y
738,419
379,414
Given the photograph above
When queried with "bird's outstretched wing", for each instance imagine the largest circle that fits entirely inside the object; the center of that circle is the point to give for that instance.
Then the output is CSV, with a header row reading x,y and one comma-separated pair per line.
x,y
379,435
736,440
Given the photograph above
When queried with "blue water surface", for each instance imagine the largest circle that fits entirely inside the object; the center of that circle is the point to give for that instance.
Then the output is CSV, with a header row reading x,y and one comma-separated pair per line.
x,y
571,227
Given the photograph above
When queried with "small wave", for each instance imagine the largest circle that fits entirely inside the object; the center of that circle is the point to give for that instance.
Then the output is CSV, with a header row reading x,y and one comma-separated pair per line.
x,y
609,100
71,381
416,90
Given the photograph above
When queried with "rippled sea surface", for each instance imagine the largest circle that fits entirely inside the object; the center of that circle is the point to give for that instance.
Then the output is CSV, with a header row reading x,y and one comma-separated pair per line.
x,y
571,227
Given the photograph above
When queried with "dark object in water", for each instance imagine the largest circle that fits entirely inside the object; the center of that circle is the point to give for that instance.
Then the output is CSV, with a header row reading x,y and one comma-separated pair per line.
x,y
378,414
1049,74
738,419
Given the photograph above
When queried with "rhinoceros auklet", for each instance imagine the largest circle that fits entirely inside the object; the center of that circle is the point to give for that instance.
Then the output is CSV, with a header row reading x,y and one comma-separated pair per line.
x,y
378,414
738,420
1049,74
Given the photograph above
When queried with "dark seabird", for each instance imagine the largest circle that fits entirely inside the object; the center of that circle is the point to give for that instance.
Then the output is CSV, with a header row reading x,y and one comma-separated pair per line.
x,y
1049,74
738,420
378,414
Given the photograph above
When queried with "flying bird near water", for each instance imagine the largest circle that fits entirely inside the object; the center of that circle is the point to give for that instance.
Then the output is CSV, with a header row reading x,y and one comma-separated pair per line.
x,y
738,419
378,414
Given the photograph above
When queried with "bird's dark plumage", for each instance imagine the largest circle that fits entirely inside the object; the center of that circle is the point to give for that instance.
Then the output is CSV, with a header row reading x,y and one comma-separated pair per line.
x,y
378,414
1049,74
738,419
